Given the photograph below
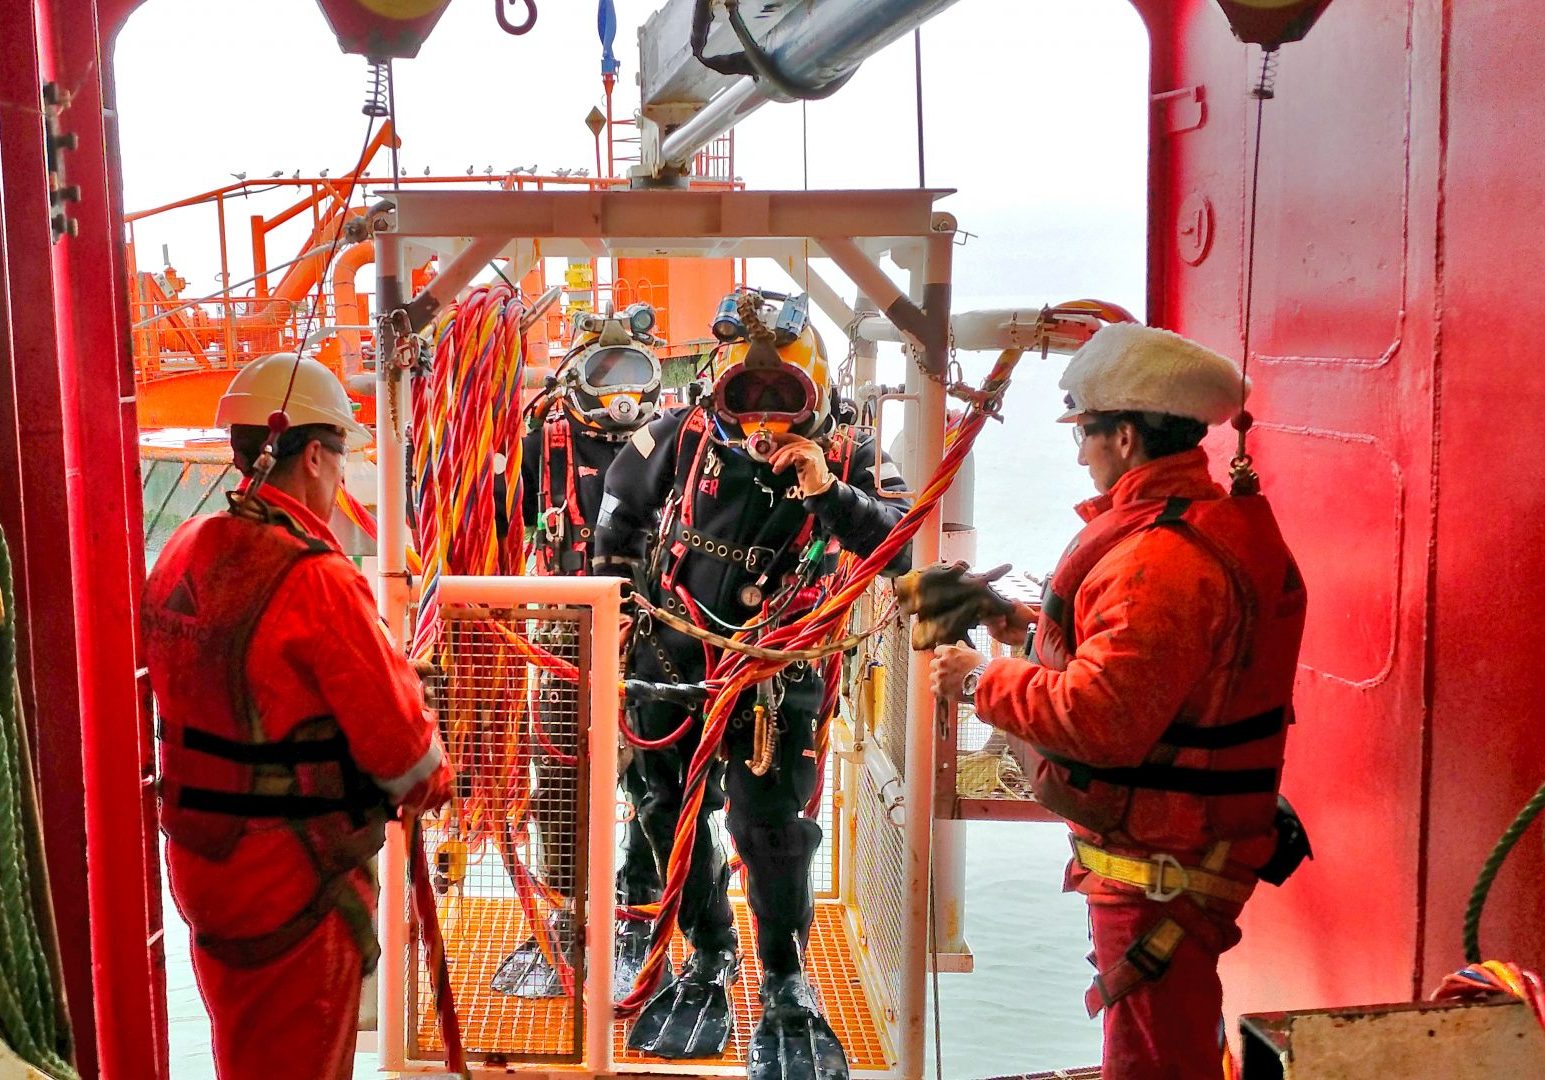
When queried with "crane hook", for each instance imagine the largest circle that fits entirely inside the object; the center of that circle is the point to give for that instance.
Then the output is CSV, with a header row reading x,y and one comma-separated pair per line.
x,y
510,28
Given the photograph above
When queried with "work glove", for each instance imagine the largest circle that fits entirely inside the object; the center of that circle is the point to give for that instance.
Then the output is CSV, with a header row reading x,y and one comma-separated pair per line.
x,y
808,461
631,570
948,600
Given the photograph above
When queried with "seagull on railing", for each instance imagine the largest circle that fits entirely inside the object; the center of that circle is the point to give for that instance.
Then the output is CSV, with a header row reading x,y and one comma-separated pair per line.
x,y
296,176
562,172
239,175
323,173
426,170
581,172
471,169
276,174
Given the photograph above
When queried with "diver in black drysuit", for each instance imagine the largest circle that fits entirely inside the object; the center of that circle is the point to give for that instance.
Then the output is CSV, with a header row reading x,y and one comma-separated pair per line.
x,y
744,539
564,461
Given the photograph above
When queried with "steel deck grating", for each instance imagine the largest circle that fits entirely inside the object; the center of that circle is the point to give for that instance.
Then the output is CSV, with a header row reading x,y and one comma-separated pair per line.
x,y
499,1024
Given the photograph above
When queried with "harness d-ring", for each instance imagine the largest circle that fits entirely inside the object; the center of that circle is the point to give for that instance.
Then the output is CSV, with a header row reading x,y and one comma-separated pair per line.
x,y
511,28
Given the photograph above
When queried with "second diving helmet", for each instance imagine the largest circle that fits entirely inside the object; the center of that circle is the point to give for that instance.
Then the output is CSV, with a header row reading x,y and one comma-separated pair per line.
x,y
612,376
771,373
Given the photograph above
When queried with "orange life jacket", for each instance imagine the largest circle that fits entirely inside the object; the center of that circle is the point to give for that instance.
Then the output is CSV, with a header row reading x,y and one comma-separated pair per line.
x,y
220,771
1231,761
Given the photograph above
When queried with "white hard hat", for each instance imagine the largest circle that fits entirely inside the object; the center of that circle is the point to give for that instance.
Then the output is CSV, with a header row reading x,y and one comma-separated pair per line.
x,y
315,396
1128,367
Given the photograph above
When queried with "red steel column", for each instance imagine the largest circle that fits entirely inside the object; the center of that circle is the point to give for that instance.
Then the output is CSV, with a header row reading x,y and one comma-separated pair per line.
x,y
105,550
33,510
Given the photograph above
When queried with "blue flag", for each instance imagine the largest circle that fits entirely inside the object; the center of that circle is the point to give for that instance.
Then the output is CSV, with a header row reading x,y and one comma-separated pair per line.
x,y
606,26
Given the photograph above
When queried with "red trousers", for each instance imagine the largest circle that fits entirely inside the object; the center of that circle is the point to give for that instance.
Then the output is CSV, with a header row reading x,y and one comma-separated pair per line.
x,y
1172,1028
296,1017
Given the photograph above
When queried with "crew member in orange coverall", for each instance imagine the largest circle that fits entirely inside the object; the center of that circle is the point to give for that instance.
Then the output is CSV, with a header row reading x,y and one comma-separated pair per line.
x,y
291,727
1157,693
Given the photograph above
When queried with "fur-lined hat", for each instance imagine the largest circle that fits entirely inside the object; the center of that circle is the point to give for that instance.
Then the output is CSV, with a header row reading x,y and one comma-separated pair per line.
x,y
1128,367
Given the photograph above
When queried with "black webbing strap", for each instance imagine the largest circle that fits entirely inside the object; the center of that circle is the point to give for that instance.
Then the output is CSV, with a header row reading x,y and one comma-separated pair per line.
x,y
293,807
1174,511
1260,726
1168,777
284,752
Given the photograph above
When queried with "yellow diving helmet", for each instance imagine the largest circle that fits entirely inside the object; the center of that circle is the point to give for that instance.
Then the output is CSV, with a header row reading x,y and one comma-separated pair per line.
x,y
611,374
770,375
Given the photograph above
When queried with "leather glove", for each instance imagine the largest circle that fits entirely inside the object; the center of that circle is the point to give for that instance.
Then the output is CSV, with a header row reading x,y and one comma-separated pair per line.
x,y
808,461
432,680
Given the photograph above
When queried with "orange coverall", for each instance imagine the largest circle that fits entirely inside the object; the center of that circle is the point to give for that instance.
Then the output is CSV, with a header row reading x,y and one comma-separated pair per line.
x,y
319,649
1154,627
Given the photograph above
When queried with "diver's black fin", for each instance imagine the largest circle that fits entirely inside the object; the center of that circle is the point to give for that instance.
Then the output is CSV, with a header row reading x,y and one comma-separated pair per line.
x,y
793,1040
527,973
631,950
691,1017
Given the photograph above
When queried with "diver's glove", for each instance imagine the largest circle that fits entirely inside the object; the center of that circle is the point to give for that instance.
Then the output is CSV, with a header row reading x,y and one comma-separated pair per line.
x,y
629,568
808,461
948,601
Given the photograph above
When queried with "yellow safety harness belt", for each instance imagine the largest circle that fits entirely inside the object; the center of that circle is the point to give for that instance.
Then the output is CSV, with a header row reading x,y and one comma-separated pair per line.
x,y
1163,879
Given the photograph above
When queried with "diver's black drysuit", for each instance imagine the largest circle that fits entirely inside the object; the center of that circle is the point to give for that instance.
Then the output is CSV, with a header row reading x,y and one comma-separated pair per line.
x,y
562,473
733,527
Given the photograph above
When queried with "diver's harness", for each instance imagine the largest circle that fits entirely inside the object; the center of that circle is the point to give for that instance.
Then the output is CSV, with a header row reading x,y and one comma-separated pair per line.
x,y
678,537
562,534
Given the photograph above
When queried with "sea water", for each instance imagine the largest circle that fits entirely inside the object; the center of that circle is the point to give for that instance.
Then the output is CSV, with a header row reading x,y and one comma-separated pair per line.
x,y
1021,1008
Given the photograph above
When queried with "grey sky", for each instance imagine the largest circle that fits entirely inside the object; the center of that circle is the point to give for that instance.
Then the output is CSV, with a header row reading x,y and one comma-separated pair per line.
x,y
1035,110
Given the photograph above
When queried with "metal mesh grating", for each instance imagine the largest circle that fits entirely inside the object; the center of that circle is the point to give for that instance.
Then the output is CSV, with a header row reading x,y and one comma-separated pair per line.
x,y
513,728
986,765
893,650
877,880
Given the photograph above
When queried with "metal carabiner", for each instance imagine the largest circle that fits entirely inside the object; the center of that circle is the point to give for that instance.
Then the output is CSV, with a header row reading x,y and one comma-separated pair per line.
x,y
511,28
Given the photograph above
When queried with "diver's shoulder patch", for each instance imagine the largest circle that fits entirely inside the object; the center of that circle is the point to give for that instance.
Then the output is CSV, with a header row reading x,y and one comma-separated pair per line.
x,y
643,442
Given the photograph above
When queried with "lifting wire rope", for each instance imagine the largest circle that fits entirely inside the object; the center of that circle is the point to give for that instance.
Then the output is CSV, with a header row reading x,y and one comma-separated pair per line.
x,y
1243,479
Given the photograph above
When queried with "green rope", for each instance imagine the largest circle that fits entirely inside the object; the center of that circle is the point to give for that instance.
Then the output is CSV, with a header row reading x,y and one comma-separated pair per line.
x,y
1489,870
31,1021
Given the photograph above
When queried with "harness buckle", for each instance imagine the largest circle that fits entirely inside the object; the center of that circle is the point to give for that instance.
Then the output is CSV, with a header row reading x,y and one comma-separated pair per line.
x,y
1162,862
758,558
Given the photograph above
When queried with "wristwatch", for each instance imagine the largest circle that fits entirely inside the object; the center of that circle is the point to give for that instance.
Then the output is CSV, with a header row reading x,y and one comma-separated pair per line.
x,y
969,683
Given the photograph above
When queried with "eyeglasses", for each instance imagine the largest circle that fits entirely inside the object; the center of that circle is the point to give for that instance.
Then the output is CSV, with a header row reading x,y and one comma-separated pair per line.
x,y
1083,429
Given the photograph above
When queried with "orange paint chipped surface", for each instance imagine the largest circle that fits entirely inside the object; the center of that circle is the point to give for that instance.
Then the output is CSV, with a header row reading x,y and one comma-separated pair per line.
x,y
480,932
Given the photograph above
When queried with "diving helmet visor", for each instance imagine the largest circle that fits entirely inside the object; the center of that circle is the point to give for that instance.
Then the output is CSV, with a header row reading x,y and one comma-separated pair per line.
x,y
616,369
783,393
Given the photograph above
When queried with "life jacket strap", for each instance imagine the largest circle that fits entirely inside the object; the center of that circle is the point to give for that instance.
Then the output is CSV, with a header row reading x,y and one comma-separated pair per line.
x,y
284,752
289,807
1260,726
1179,778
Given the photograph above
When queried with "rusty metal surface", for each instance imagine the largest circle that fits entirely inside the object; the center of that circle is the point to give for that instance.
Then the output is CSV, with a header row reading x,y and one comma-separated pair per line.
x,y
1457,1041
